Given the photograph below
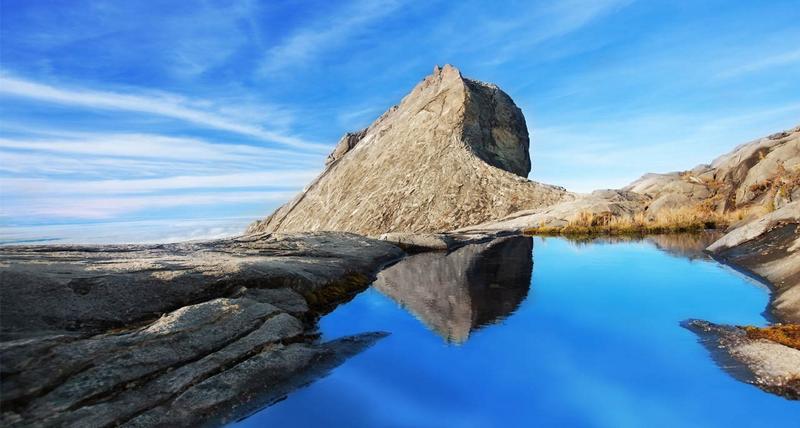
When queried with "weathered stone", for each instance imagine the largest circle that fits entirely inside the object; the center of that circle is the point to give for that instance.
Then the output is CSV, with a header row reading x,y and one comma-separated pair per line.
x,y
764,172
94,351
286,299
60,289
257,382
668,201
598,203
769,248
453,153
769,365
421,242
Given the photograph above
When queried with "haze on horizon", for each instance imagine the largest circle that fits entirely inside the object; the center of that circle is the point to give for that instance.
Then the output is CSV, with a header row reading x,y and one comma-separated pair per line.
x,y
180,113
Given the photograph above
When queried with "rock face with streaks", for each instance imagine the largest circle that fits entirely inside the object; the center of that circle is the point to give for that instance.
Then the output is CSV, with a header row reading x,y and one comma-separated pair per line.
x,y
453,153
189,334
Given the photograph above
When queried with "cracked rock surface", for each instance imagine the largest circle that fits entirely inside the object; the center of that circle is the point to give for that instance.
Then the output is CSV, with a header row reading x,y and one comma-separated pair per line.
x,y
187,334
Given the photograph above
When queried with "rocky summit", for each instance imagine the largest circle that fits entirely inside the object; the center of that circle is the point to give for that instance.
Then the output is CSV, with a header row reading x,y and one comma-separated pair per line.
x,y
453,153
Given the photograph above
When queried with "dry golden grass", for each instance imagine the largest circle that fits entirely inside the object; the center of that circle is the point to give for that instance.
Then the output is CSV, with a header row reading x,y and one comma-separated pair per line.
x,y
679,220
788,334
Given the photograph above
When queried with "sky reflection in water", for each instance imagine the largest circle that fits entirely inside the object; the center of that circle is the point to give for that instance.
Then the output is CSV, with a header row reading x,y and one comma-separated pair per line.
x,y
595,341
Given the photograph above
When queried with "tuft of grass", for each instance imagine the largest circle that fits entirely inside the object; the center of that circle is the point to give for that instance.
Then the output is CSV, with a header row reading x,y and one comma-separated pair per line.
x,y
785,334
679,220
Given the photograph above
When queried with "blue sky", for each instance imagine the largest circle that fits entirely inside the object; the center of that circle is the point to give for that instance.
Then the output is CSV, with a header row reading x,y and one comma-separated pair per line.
x,y
162,110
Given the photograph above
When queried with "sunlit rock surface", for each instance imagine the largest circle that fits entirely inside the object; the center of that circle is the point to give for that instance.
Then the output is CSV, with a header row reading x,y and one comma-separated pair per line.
x,y
768,365
762,172
769,248
453,153
758,176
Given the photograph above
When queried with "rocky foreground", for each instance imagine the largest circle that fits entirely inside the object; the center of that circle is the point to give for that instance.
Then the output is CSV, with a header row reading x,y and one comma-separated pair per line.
x,y
188,334
173,335
769,250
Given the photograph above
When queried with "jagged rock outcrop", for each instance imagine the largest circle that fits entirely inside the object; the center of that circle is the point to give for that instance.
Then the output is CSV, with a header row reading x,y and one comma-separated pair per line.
x,y
453,153
764,172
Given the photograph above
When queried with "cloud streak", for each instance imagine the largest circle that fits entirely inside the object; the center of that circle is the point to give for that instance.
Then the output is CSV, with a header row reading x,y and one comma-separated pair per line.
x,y
153,146
160,105
769,62
31,186
307,43
95,208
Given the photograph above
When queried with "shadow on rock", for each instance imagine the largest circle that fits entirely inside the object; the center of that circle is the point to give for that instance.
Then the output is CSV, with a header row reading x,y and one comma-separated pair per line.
x,y
459,292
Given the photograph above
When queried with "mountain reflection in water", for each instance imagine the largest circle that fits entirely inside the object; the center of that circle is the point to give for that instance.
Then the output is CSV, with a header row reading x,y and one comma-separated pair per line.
x,y
591,337
456,293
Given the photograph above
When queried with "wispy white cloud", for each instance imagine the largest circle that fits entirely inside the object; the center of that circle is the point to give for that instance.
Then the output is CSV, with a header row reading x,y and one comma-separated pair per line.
x,y
304,44
31,186
500,39
99,208
166,105
764,63
136,232
152,146
359,117
184,41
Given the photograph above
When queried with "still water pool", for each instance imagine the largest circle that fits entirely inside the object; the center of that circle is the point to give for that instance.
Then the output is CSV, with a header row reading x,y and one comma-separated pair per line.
x,y
541,332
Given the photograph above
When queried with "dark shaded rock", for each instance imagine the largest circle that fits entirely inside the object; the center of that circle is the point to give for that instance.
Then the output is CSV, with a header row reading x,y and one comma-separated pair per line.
x,y
255,383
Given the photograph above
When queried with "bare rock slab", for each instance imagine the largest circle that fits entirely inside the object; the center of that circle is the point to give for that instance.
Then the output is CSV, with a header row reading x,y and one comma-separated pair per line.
x,y
768,365
769,248
186,334
89,289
